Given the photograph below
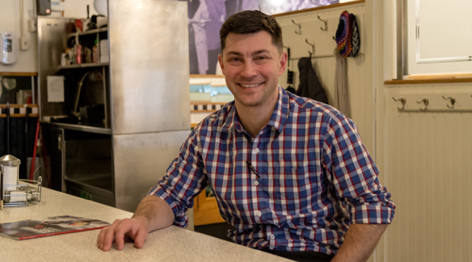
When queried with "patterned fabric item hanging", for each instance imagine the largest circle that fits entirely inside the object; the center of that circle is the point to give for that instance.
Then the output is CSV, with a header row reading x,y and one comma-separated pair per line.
x,y
347,35
355,37
343,35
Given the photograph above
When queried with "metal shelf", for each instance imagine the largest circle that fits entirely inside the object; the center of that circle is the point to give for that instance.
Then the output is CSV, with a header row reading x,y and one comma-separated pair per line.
x,y
100,183
94,31
83,65
84,128
90,191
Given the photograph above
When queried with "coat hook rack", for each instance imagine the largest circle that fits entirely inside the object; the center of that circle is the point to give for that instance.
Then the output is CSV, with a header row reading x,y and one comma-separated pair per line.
x,y
299,32
452,100
312,47
425,101
325,24
402,100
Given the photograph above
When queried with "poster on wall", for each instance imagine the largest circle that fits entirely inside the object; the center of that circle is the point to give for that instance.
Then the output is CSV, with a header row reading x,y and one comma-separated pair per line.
x,y
205,18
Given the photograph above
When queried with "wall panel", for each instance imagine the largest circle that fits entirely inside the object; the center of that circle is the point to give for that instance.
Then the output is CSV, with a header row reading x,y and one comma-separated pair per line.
x,y
428,161
359,68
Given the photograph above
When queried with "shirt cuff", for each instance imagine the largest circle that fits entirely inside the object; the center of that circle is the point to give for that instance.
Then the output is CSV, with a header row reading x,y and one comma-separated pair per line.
x,y
181,219
373,214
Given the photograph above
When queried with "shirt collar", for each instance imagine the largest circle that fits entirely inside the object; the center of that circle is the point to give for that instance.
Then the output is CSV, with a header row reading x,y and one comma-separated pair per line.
x,y
277,119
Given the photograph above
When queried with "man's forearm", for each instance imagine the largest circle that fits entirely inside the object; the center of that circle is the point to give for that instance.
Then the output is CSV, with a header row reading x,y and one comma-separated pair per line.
x,y
156,213
360,242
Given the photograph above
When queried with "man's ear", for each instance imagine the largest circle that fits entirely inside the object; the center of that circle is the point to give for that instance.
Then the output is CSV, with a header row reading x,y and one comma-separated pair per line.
x,y
220,61
283,63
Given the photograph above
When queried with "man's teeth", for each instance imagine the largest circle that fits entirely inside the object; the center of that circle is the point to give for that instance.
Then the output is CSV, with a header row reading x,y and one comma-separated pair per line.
x,y
250,85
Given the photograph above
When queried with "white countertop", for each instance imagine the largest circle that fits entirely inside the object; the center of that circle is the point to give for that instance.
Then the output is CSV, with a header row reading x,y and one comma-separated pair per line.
x,y
169,244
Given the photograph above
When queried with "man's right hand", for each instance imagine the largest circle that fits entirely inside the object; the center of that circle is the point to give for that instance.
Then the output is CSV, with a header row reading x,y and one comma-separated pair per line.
x,y
152,213
135,228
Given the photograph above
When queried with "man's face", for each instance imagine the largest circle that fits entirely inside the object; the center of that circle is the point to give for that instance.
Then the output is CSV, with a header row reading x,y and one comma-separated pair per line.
x,y
252,65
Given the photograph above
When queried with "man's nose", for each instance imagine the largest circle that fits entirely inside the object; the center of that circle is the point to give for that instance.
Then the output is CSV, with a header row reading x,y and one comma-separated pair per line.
x,y
248,70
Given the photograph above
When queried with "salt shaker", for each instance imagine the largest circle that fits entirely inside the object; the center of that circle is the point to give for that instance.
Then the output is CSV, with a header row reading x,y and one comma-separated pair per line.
x,y
10,166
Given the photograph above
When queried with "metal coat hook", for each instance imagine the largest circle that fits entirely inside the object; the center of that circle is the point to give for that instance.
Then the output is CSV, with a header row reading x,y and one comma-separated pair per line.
x,y
425,101
325,26
402,100
452,100
312,47
299,28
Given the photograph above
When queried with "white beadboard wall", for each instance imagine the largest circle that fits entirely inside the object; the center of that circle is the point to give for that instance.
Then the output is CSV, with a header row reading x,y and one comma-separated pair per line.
x,y
428,159
424,158
360,68
360,80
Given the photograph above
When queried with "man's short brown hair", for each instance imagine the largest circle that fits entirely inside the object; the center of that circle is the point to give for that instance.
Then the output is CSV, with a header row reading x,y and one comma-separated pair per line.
x,y
248,22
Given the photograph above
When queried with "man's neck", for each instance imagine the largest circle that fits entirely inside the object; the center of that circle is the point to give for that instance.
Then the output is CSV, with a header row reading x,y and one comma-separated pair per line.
x,y
253,119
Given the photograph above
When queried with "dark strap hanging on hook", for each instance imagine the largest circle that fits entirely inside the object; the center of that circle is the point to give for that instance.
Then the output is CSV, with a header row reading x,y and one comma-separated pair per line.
x,y
289,73
288,56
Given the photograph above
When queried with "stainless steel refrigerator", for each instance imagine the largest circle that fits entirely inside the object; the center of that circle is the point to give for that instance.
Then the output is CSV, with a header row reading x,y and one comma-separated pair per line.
x,y
145,95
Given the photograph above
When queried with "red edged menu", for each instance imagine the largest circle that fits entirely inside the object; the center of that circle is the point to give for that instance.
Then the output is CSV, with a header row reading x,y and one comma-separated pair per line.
x,y
27,229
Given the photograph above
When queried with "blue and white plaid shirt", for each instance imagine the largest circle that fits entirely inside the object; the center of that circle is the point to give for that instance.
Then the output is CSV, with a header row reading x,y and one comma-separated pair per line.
x,y
316,177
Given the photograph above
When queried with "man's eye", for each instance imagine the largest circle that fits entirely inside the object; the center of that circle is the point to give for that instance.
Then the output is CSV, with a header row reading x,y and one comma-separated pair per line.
x,y
235,59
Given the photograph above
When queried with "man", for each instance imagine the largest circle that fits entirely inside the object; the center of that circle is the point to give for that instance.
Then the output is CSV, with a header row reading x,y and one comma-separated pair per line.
x,y
289,173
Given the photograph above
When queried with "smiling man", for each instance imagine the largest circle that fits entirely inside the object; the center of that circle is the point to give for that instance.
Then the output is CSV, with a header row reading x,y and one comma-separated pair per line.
x,y
290,174
252,65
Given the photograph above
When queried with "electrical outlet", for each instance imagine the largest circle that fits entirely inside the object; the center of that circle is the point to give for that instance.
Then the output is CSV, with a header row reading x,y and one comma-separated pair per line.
x,y
24,43
32,25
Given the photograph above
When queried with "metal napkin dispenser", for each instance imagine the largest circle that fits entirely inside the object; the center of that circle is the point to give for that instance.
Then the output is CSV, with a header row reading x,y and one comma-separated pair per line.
x,y
12,193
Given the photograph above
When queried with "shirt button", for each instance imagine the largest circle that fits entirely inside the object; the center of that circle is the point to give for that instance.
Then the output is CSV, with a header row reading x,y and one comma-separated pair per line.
x,y
271,247
258,213
255,151
272,237
256,183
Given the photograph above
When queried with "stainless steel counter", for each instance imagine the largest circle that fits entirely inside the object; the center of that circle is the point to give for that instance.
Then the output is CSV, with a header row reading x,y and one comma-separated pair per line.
x,y
169,244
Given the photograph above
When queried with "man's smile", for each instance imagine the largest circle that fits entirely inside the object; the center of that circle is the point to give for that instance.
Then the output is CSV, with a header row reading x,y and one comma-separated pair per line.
x,y
252,85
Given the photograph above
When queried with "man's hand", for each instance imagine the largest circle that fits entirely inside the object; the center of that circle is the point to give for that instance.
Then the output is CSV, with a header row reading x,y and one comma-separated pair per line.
x,y
152,213
135,228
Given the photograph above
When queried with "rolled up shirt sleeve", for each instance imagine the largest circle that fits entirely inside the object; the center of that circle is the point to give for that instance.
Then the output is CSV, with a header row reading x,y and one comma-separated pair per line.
x,y
185,178
354,174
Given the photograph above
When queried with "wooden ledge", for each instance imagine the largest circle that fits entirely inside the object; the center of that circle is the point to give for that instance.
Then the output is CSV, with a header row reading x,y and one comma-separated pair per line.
x,y
429,81
18,73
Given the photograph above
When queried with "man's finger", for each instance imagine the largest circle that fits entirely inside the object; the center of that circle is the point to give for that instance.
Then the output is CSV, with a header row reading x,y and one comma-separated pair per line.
x,y
120,234
140,237
100,237
109,235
